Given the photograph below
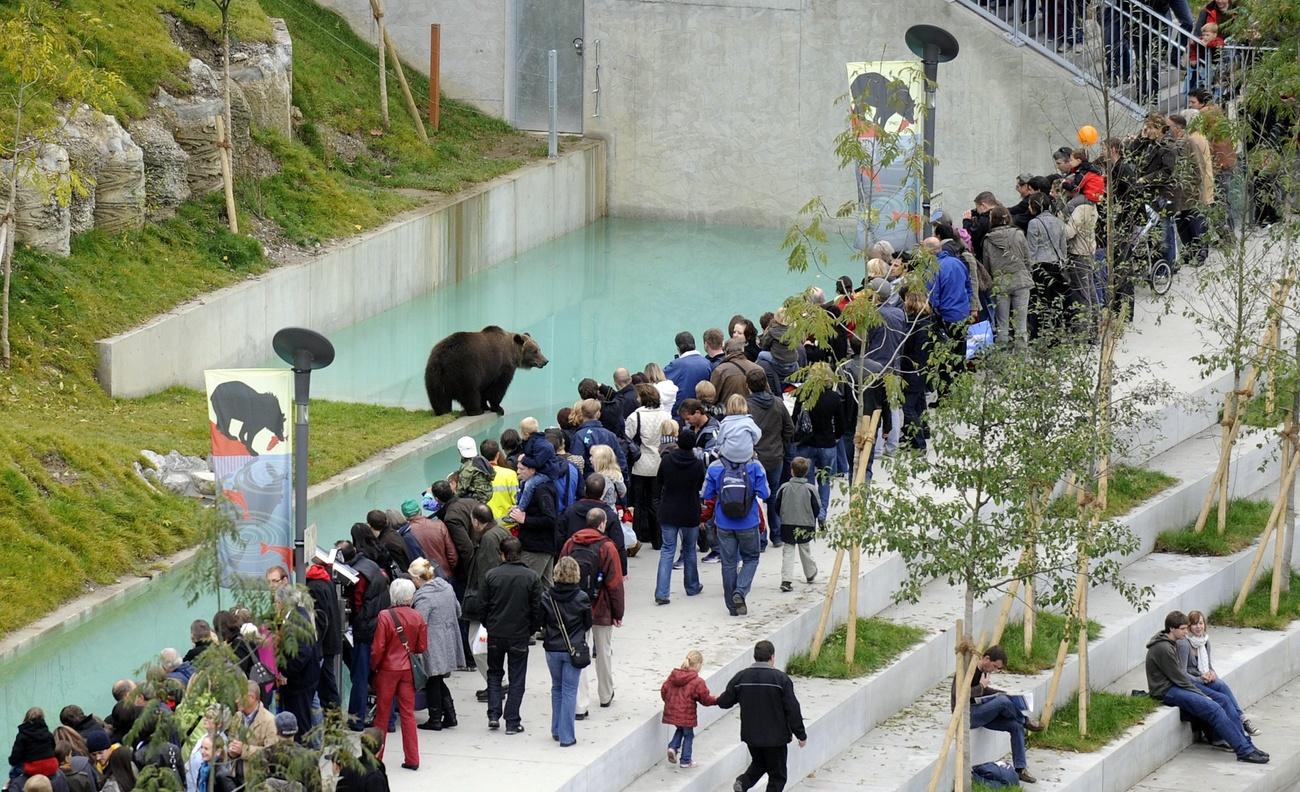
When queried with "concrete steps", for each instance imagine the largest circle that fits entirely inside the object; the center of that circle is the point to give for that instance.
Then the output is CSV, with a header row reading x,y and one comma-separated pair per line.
x,y
1255,663
875,699
1203,767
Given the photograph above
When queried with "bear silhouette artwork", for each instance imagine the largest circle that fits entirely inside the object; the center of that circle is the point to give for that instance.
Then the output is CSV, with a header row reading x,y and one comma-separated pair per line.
x,y
883,97
475,369
255,411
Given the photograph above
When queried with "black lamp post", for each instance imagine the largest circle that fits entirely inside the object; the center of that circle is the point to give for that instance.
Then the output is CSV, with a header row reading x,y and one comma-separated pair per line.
x,y
933,45
305,350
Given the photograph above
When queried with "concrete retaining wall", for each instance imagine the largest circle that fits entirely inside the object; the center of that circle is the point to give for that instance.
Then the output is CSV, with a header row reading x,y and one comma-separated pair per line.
x,y
433,246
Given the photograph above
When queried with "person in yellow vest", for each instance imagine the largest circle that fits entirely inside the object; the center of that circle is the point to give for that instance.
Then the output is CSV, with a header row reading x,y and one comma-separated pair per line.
x,y
505,482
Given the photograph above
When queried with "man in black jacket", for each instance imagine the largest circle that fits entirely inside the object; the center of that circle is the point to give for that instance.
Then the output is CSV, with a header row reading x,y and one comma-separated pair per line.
x,y
329,628
769,714
511,599
538,522
768,411
574,518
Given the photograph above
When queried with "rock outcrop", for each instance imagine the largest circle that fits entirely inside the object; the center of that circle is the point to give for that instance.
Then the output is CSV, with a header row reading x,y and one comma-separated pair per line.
x,y
166,183
179,474
264,73
42,216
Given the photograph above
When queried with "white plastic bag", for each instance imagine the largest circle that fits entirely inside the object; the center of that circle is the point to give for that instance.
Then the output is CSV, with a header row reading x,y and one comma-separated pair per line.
x,y
479,647
629,535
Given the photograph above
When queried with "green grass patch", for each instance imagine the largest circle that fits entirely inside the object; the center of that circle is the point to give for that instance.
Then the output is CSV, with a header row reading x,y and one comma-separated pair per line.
x,y
1255,612
1245,521
1049,628
1109,716
976,786
878,642
1128,487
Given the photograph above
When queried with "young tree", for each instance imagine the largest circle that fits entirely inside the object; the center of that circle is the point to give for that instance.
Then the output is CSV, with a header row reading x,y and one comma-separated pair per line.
x,y
37,71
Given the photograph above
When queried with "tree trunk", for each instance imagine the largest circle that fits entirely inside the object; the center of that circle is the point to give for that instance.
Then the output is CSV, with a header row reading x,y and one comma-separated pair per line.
x,y
7,231
225,68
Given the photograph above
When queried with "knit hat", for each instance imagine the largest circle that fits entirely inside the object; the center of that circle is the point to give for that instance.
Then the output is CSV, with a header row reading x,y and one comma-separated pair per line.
x,y
97,740
529,462
410,508
686,440
881,287
467,447
286,724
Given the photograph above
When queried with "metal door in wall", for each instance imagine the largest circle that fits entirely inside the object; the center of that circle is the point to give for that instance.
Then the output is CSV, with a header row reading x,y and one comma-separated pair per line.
x,y
541,26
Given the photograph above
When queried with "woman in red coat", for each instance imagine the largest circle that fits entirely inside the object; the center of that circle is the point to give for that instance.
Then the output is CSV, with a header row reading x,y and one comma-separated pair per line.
x,y
681,692
390,664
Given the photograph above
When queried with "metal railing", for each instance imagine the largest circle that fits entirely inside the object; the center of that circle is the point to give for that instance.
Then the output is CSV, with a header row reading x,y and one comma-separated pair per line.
x,y
1147,60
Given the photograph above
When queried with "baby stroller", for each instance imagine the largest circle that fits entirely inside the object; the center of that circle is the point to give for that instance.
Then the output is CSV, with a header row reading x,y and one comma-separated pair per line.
x,y
1146,250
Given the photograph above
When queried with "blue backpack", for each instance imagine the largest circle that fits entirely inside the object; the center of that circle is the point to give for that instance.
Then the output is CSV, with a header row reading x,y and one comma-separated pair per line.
x,y
735,489
566,486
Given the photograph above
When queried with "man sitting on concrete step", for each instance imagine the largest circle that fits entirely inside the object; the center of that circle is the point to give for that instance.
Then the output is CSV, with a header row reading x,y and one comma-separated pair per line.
x,y
1167,681
994,710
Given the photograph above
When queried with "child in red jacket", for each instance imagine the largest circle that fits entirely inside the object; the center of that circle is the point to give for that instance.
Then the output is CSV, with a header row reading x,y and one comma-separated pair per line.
x,y
681,692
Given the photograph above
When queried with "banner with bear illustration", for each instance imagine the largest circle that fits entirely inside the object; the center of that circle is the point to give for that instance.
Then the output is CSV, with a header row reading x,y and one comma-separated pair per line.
x,y
888,101
250,420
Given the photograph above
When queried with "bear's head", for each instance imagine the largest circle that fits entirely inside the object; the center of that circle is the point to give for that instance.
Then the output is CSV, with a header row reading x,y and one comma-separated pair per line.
x,y
530,353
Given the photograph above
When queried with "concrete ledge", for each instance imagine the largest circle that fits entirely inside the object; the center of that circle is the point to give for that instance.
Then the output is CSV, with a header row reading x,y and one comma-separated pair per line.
x,y
1146,747
85,607
430,247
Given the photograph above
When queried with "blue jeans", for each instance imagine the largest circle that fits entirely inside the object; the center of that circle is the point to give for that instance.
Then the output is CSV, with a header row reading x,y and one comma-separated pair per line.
x,y
823,465
1000,714
360,684
682,741
690,561
1225,724
1220,692
737,547
564,696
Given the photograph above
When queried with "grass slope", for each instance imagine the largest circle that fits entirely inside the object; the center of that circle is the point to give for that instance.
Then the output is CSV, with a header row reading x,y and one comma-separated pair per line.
x,y
1255,612
878,642
71,509
1109,716
1128,487
1245,521
1049,628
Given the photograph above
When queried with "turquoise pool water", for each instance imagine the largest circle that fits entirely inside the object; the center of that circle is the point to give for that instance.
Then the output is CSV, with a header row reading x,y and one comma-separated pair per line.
x,y
612,294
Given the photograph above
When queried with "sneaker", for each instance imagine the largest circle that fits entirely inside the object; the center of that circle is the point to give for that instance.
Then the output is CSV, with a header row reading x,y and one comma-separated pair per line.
x,y
1255,757
1249,728
738,601
607,703
687,765
787,585
712,558
679,563
580,716
812,577
430,725
1033,725
660,601
633,550
481,695
1025,777
516,729
672,755
494,725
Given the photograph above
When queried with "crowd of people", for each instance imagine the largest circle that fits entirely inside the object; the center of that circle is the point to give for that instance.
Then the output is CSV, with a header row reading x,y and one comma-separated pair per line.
x,y
710,458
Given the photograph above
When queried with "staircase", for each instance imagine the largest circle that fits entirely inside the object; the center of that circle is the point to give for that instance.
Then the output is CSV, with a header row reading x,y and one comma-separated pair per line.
x,y
1125,47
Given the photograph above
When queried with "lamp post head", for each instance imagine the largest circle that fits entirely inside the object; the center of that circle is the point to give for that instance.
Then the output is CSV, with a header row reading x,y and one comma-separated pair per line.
x,y
303,349
931,44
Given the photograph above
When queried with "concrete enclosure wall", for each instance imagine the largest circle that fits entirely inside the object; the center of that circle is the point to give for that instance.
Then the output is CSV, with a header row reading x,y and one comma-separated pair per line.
x,y
433,246
725,110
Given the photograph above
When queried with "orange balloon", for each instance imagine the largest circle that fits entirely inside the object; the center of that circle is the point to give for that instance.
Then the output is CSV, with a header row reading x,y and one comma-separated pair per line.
x,y
1088,135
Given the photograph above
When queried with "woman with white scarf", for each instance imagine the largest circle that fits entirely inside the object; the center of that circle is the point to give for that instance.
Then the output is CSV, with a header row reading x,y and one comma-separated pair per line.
x,y
1194,650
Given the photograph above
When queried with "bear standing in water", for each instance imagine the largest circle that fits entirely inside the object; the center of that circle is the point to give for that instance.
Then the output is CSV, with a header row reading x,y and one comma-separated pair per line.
x,y
475,369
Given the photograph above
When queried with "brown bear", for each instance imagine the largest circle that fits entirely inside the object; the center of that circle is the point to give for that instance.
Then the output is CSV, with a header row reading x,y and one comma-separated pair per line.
x,y
476,368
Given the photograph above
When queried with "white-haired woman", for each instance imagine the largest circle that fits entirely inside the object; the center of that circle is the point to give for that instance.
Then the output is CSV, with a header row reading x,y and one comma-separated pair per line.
x,y
435,601
390,664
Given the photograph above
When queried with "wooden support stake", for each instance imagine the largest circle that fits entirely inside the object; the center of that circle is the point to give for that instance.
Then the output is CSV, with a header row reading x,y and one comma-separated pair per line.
x,y
1082,642
851,637
958,713
859,476
959,763
435,75
227,173
1049,706
377,11
1280,573
1274,520
1004,613
831,585
406,88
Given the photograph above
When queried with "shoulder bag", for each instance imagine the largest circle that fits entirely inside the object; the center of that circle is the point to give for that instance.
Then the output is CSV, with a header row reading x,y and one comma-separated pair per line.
x,y
580,653
419,672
